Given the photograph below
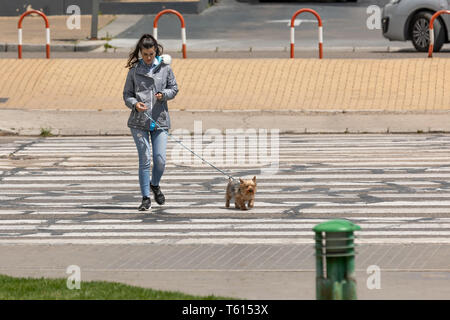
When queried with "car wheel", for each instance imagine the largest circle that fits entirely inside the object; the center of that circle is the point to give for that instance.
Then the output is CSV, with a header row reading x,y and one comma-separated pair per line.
x,y
420,35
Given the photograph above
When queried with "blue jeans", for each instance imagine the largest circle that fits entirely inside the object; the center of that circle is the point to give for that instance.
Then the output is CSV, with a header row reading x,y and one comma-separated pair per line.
x,y
159,144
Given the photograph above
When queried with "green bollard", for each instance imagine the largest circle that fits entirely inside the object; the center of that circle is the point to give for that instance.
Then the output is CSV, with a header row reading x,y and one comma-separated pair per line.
x,y
335,249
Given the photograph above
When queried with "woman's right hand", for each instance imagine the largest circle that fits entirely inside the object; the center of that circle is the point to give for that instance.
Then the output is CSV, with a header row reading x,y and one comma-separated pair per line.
x,y
140,107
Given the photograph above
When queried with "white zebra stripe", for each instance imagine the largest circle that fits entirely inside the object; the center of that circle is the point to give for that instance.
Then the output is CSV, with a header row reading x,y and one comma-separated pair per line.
x,y
253,211
375,151
133,186
241,220
309,234
261,206
176,172
260,176
268,195
255,226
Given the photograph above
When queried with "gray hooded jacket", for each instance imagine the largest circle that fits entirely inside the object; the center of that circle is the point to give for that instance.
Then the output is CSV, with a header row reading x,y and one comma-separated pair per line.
x,y
141,86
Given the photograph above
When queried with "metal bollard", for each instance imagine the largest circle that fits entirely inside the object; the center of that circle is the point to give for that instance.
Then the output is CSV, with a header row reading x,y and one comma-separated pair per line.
x,y
335,249
94,19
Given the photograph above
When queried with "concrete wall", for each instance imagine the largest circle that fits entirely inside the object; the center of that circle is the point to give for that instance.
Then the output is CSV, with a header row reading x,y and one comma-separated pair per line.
x,y
50,7
59,7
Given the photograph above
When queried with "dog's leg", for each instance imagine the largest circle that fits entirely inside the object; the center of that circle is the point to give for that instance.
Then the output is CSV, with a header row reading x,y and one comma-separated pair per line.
x,y
227,203
251,202
242,204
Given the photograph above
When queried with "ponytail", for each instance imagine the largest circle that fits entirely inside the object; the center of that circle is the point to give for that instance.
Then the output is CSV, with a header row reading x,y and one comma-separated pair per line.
x,y
146,41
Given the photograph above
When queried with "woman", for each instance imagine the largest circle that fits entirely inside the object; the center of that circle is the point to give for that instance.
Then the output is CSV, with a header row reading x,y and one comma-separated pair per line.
x,y
150,83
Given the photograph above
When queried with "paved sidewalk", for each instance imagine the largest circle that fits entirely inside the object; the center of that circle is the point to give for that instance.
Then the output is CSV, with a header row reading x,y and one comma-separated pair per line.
x,y
236,84
164,267
84,122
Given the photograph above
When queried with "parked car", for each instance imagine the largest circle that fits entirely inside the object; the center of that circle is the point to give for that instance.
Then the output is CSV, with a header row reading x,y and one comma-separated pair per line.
x,y
404,20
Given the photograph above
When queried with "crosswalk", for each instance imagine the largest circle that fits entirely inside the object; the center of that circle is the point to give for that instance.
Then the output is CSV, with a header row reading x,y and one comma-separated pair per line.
x,y
85,190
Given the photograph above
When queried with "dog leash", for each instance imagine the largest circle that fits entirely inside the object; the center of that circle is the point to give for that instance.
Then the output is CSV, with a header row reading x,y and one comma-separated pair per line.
x,y
153,121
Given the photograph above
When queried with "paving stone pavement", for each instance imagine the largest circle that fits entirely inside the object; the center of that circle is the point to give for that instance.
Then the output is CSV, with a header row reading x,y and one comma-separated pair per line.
x,y
236,84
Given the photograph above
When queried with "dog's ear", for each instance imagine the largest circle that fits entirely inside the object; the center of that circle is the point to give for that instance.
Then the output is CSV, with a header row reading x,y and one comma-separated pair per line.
x,y
254,179
241,181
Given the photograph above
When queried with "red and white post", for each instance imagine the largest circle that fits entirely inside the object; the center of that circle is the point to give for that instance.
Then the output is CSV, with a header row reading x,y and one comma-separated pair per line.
x,y
431,47
183,27
293,31
47,31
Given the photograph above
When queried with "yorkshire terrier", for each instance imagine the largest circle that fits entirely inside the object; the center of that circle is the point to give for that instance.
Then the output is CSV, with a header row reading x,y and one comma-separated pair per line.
x,y
243,191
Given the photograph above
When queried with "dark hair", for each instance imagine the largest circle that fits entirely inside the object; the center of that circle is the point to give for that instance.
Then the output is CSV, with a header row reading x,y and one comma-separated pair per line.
x,y
147,41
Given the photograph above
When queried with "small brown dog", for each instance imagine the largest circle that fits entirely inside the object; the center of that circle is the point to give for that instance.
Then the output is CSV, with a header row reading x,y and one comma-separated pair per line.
x,y
242,191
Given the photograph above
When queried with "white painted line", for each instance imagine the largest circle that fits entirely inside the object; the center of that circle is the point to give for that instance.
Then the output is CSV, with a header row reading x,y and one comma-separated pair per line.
x,y
175,171
268,195
306,220
24,221
121,186
256,226
437,175
69,197
39,212
223,233
242,220
283,142
392,205
16,193
102,221
253,211
330,151
4,198
343,211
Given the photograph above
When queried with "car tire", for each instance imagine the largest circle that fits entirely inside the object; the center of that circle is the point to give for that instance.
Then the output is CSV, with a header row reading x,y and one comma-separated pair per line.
x,y
419,32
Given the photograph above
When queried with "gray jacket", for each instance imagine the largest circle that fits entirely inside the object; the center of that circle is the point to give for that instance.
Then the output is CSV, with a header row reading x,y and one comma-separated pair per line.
x,y
141,86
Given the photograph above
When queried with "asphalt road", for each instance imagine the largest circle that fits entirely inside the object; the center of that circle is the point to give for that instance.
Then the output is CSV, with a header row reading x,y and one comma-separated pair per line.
x,y
316,176
235,24
72,200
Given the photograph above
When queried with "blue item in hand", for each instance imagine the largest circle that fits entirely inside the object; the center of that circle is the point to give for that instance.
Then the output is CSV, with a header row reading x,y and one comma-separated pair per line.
x,y
152,126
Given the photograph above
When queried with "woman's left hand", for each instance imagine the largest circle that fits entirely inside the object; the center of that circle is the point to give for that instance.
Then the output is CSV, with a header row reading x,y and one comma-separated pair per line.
x,y
159,96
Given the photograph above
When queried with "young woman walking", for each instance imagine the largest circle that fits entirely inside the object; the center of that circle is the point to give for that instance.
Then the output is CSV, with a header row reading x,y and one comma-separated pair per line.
x,y
150,83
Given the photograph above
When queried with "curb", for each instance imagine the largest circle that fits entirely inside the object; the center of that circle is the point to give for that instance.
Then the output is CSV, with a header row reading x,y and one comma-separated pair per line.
x,y
87,45
8,132
13,47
